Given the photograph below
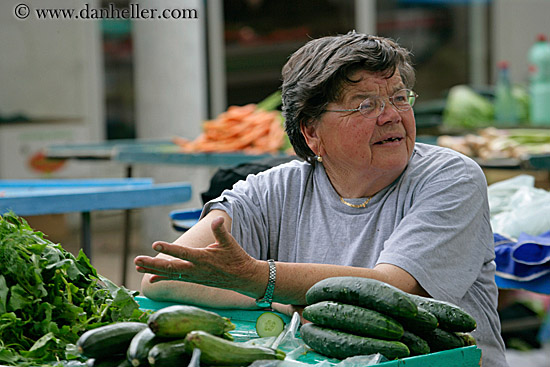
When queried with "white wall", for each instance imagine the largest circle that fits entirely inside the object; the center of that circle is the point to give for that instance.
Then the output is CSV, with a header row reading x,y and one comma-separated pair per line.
x,y
50,70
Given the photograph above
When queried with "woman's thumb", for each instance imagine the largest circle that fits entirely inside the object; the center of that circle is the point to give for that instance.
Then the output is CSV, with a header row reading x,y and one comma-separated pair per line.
x,y
220,232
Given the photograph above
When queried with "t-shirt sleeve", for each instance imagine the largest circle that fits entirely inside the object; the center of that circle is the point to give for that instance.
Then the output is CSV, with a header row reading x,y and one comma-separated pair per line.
x,y
443,240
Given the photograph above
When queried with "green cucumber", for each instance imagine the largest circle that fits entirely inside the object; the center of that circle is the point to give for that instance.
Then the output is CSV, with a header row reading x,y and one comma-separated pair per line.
x,y
168,354
450,316
423,321
176,321
269,324
365,292
353,319
439,339
416,344
339,344
140,345
115,361
217,351
467,338
108,340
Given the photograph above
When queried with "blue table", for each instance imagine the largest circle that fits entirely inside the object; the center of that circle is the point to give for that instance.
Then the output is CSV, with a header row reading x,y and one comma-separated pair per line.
x,y
132,151
38,197
169,153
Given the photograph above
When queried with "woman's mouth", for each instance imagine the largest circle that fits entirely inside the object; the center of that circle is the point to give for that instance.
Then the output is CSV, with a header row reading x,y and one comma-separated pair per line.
x,y
388,140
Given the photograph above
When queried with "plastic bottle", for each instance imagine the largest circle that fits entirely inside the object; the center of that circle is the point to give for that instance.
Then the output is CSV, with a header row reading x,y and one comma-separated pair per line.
x,y
506,108
539,82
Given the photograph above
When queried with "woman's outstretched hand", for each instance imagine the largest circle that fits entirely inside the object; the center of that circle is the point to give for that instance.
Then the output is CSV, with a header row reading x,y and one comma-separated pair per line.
x,y
222,264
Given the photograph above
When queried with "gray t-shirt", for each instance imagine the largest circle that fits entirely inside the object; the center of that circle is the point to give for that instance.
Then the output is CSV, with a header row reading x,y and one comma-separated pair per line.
x,y
433,222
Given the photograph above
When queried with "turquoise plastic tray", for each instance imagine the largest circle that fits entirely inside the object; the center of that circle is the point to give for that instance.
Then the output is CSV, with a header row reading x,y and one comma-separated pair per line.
x,y
245,329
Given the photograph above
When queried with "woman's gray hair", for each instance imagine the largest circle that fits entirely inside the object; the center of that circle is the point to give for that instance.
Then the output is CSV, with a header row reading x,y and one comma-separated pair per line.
x,y
315,75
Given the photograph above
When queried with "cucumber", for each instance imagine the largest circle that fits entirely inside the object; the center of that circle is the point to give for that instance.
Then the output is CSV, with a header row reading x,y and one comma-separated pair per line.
x,y
439,339
417,346
467,338
217,351
422,322
176,321
353,319
269,324
108,340
365,292
450,316
115,361
168,354
339,344
140,345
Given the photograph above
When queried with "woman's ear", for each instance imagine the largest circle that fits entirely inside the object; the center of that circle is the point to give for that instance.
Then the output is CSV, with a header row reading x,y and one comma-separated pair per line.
x,y
309,131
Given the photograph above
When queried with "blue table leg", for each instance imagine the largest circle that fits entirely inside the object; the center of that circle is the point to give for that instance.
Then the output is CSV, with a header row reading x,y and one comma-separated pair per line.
x,y
85,239
126,248
126,243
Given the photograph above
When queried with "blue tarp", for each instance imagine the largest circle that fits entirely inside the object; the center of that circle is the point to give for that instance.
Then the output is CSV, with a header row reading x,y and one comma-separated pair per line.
x,y
524,259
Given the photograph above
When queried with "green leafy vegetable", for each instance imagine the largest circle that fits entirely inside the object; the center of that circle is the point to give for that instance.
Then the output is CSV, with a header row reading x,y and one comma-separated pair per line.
x,y
466,108
49,297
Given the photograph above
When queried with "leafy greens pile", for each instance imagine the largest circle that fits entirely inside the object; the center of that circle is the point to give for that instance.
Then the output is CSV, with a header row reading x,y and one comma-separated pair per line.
x,y
49,297
468,109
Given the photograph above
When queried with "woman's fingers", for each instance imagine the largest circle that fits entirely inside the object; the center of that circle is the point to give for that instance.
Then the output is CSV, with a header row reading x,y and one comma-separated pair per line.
x,y
160,266
219,264
177,251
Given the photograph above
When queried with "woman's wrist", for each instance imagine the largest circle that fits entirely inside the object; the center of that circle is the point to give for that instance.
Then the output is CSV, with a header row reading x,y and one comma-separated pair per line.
x,y
267,298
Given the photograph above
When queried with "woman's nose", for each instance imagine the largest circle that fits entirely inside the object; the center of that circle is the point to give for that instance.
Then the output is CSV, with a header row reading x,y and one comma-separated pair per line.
x,y
389,114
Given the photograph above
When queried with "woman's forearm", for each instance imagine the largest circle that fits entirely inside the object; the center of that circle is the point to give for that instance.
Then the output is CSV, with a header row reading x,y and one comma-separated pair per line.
x,y
293,279
195,294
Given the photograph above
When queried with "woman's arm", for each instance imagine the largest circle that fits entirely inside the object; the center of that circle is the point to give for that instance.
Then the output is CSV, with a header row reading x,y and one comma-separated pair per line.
x,y
212,257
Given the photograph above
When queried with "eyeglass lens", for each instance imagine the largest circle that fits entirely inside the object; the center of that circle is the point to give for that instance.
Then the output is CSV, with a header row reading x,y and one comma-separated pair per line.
x,y
402,100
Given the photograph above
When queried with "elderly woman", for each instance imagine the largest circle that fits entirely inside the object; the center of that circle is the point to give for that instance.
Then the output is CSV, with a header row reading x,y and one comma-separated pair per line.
x,y
367,202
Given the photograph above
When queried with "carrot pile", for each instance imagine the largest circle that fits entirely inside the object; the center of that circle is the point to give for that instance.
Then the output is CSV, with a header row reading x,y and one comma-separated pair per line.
x,y
241,128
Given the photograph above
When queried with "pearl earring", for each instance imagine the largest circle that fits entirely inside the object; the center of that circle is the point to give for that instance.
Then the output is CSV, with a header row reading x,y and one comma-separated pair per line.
x,y
319,158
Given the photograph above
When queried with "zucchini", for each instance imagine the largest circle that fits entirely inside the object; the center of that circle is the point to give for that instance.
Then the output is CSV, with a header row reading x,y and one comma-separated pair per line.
x,y
269,324
417,346
450,316
140,345
168,354
176,321
439,339
339,344
365,292
108,340
217,351
423,321
353,319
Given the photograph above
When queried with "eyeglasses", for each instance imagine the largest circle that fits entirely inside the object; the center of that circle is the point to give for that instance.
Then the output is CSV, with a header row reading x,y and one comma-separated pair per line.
x,y
372,107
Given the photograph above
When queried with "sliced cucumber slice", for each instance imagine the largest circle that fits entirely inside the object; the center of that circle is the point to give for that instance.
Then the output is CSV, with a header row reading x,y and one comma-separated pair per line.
x,y
269,324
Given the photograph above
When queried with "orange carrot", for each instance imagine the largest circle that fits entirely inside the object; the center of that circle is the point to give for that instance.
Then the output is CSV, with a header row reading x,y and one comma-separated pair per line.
x,y
240,128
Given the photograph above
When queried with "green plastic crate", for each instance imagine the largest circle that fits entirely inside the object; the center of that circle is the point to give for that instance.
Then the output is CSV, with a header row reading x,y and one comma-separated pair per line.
x,y
245,322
